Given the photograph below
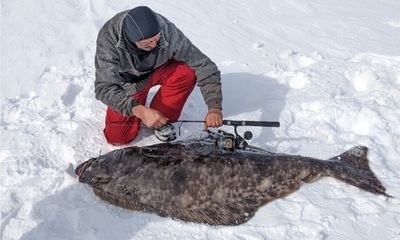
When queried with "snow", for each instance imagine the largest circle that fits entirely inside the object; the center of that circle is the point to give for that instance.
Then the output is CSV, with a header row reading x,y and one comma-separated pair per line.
x,y
327,70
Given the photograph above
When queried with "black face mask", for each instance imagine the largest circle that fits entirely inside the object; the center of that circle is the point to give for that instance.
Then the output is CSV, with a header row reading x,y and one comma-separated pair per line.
x,y
143,60
147,61
132,48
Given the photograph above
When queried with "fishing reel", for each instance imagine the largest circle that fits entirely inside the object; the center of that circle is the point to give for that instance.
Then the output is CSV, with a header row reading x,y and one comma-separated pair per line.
x,y
166,133
230,142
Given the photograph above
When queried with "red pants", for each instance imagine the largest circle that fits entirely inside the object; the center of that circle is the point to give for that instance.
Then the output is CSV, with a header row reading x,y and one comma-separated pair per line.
x,y
177,81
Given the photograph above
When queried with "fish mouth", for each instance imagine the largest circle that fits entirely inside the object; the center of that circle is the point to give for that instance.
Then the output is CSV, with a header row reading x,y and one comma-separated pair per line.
x,y
83,166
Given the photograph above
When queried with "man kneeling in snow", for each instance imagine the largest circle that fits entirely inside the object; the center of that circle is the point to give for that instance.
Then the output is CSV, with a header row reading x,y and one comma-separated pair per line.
x,y
138,49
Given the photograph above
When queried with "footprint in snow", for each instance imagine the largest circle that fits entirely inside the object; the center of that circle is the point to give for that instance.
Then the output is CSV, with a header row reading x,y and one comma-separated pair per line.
x,y
296,61
69,96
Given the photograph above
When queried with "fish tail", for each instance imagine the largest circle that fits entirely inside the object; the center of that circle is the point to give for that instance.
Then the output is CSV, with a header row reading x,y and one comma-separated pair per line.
x,y
353,168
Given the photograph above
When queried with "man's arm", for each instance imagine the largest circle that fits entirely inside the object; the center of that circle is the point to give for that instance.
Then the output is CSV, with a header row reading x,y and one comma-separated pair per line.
x,y
207,73
107,85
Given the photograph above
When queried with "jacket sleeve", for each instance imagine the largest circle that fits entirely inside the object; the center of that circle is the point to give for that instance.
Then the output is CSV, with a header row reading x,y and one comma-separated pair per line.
x,y
107,86
207,73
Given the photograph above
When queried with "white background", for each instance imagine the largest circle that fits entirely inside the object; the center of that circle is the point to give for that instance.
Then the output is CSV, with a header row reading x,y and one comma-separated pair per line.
x,y
329,71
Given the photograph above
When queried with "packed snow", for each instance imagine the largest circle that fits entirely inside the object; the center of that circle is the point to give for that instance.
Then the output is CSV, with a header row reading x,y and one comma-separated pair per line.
x,y
329,71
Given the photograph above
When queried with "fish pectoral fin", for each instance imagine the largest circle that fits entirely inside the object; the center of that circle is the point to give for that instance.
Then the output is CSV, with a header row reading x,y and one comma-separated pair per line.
x,y
217,213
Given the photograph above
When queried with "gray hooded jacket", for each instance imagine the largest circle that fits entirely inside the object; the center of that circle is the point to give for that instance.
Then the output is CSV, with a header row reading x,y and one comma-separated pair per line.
x,y
113,61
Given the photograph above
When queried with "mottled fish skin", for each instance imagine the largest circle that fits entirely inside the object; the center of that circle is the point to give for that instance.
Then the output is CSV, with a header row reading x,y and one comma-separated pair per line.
x,y
194,181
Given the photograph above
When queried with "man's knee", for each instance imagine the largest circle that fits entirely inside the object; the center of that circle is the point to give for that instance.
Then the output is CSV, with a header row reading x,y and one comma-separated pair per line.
x,y
186,74
120,134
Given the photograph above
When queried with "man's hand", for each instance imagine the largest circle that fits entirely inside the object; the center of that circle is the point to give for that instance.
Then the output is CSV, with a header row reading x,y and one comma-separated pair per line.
x,y
213,118
150,117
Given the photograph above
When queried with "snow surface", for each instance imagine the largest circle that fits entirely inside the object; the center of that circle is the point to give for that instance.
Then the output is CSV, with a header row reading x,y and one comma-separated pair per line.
x,y
329,71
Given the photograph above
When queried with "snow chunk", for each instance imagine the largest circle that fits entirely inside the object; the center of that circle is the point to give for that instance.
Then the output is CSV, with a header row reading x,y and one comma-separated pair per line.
x,y
365,122
395,24
364,79
258,45
299,81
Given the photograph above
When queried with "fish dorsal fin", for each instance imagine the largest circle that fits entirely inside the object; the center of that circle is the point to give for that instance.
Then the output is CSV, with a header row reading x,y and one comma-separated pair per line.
x,y
355,157
232,213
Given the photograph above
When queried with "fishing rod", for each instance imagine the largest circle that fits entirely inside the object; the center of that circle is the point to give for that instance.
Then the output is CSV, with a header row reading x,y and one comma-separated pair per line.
x,y
237,123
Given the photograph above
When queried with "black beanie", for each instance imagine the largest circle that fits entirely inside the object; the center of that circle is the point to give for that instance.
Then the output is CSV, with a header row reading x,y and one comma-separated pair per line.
x,y
140,23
